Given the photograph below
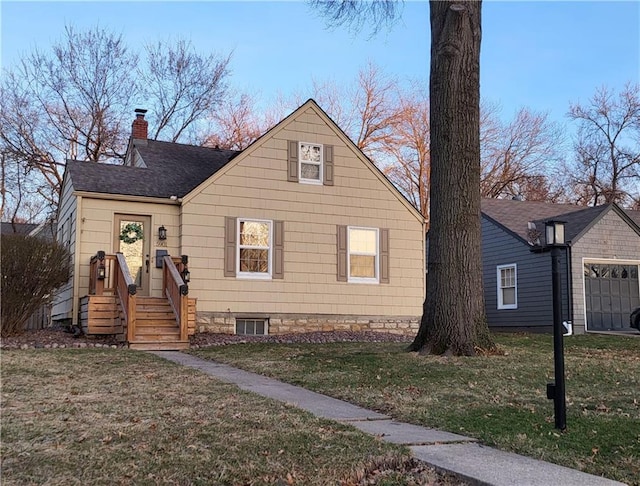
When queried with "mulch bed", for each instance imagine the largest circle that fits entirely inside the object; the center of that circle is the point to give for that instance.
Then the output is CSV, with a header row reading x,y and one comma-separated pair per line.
x,y
55,338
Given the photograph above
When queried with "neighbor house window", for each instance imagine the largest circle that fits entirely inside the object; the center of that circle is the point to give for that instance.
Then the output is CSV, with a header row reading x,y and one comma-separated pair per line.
x,y
310,162
254,248
507,286
363,254
251,327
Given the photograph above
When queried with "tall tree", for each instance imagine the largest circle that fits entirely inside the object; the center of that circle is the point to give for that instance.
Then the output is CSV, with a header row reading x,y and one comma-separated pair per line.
x,y
517,153
607,147
453,320
408,150
367,109
181,86
76,100
235,124
68,103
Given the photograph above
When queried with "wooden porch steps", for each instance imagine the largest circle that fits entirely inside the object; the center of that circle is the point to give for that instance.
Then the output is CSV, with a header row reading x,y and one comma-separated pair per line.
x,y
156,326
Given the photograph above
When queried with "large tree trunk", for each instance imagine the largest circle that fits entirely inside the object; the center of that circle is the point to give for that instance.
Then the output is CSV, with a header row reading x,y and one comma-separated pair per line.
x,y
453,320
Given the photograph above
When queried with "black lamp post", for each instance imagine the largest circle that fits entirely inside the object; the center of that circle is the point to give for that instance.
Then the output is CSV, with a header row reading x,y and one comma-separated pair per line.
x,y
556,390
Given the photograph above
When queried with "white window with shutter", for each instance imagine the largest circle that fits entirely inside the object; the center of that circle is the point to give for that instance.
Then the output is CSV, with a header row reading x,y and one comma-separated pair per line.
x,y
254,248
310,163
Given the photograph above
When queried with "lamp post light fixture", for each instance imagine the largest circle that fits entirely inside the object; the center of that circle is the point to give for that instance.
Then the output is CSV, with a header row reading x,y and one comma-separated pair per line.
x,y
554,231
162,233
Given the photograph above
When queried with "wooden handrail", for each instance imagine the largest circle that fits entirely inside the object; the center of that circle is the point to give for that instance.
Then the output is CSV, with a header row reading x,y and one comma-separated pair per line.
x,y
176,291
126,291
104,286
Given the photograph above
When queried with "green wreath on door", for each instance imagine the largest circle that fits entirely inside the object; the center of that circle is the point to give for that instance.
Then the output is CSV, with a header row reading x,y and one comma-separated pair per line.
x,y
131,233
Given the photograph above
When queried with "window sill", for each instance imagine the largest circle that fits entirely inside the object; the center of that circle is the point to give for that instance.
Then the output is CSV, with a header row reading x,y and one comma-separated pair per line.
x,y
253,276
368,281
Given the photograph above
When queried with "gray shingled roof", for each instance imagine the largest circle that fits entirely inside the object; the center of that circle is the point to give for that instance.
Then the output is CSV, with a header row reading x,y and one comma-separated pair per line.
x,y
515,215
576,221
18,228
172,169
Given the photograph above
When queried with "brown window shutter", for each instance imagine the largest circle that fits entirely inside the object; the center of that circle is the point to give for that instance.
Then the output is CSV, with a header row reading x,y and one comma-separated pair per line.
x,y
342,254
292,161
384,256
229,247
278,250
328,165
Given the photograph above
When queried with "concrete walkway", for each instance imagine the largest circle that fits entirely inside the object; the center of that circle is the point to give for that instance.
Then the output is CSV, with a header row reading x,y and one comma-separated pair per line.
x,y
453,453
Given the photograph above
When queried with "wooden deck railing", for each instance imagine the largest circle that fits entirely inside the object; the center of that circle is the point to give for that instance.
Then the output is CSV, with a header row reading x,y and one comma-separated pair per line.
x,y
126,290
176,291
98,286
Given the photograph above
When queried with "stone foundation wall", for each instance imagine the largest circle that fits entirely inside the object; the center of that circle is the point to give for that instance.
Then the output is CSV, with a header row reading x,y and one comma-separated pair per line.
x,y
225,323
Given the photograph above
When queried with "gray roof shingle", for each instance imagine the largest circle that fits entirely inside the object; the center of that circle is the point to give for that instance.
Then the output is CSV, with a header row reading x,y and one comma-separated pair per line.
x,y
515,215
17,228
172,169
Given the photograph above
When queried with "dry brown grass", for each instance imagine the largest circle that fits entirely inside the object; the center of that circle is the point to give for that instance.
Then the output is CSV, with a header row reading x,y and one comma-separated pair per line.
x,y
111,416
499,399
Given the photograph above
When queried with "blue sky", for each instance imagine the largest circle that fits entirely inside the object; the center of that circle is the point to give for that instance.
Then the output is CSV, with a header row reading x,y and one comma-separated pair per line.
x,y
537,54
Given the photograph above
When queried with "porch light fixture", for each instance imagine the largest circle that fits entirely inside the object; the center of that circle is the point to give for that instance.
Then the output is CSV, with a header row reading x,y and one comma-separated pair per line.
x,y
186,275
162,233
101,270
556,390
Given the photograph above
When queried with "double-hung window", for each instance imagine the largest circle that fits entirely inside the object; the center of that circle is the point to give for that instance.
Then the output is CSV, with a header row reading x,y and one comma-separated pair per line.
x,y
507,276
363,254
310,163
254,249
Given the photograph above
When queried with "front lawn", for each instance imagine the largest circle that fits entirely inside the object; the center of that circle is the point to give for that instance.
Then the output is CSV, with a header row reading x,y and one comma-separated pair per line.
x,y
500,400
104,417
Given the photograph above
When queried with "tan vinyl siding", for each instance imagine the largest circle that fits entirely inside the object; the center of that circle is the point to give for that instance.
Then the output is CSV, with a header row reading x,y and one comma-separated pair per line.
x,y
63,302
97,233
257,185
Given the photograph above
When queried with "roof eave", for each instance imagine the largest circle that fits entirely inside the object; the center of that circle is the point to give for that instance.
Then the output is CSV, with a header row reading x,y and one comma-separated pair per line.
x,y
128,197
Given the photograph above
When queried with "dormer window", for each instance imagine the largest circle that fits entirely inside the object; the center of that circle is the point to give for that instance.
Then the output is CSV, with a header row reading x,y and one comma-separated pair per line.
x,y
310,163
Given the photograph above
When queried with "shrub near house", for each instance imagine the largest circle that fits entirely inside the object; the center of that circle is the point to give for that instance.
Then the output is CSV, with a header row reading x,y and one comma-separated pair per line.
x,y
32,268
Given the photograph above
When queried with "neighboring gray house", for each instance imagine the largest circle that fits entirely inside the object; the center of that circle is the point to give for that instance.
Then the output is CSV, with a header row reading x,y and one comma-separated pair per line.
x,y
600,265
46,230
17,228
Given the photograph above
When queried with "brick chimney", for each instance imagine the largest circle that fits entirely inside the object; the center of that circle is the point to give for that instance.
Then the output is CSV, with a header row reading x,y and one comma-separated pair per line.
x,y
139,126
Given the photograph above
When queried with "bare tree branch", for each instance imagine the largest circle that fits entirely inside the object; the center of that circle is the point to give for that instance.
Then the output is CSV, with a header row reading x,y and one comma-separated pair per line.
x,y
356,14
607,147
182,85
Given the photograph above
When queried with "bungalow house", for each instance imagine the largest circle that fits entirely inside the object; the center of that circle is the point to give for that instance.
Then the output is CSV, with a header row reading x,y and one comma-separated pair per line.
x,y
600,265
298,232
